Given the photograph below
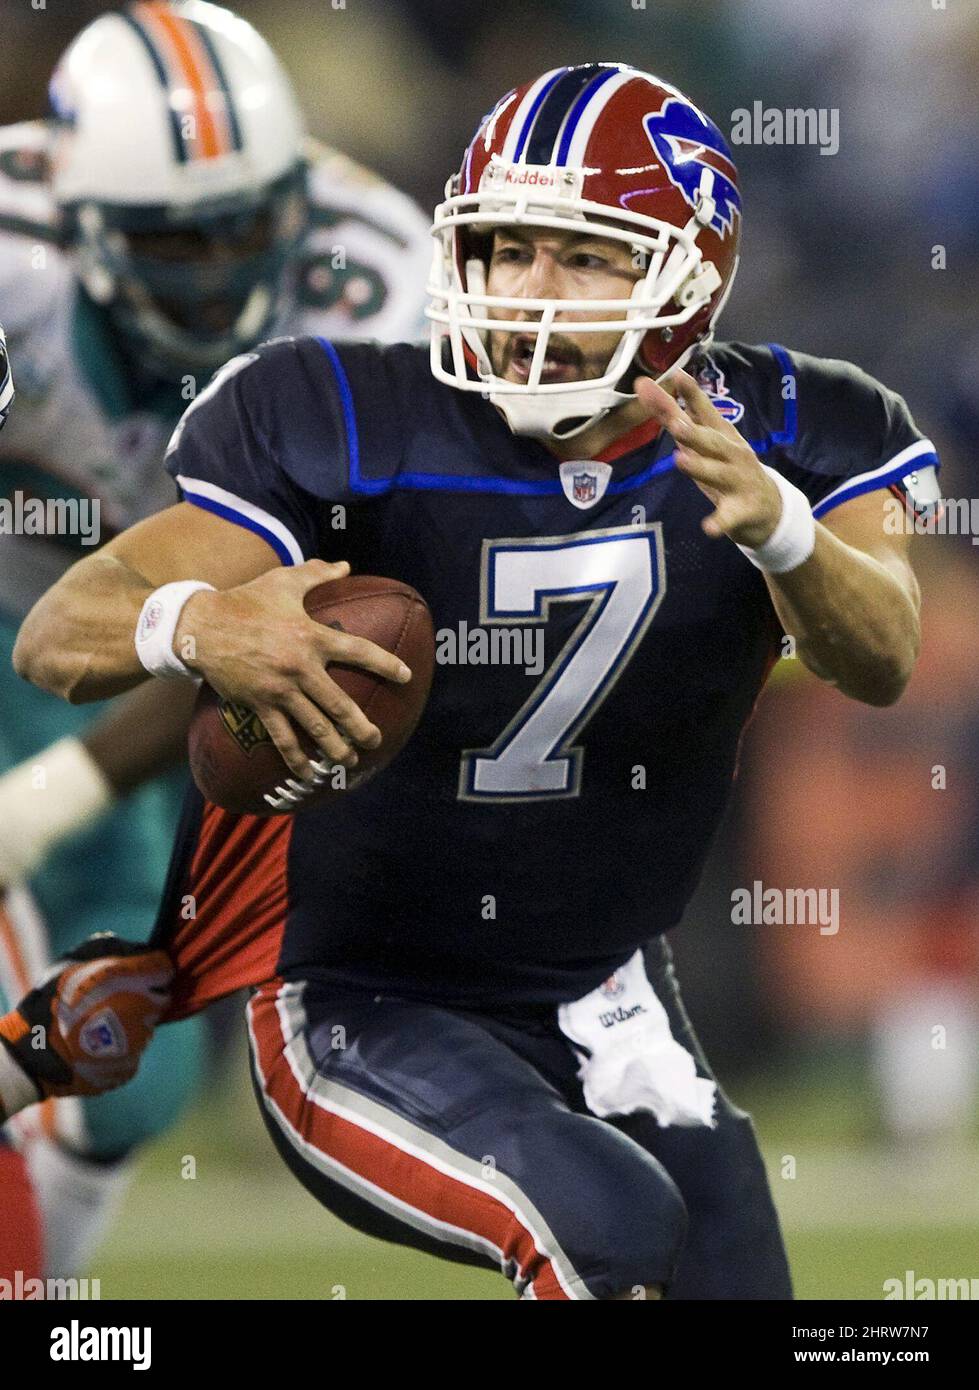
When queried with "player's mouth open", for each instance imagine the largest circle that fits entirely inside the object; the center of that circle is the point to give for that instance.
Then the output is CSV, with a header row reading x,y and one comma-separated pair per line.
x,y
562,363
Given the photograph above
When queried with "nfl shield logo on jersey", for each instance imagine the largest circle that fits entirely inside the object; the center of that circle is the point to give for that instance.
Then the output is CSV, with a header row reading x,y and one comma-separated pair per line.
x,y
584,487
585,482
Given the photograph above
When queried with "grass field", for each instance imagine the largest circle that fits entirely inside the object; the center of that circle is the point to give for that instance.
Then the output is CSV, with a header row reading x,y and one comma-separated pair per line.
x,y
856,1212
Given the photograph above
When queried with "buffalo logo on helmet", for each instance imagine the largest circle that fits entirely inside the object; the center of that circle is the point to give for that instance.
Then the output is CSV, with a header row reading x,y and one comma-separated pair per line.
x,y
687,142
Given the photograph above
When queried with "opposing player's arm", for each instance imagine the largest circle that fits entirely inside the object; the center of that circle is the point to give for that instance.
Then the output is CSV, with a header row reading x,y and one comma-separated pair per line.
x,y
141,735
144,731
82,1031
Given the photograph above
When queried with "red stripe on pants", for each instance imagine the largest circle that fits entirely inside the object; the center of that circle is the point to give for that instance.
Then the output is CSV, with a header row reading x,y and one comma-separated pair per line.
x,y
380,1161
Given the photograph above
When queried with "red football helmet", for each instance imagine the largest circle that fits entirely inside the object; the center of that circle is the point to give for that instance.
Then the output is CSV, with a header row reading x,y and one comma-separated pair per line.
x,y
619,154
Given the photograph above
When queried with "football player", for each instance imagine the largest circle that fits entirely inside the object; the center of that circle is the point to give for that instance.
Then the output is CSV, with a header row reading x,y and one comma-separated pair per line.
x,y
169,215
467,1035
20,1233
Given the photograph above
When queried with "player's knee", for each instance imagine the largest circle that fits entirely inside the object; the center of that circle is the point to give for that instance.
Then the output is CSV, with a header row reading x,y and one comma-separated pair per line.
x,y
646,1233
618,1215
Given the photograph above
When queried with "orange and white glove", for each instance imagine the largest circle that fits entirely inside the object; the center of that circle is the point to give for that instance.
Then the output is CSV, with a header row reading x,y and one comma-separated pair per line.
x,y
84,1029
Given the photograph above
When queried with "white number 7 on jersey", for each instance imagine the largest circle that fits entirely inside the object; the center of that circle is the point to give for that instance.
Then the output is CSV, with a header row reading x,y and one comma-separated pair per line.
x,y
623,573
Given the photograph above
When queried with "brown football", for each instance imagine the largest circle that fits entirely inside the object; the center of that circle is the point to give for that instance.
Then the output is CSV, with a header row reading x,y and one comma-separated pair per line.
x,y
235,763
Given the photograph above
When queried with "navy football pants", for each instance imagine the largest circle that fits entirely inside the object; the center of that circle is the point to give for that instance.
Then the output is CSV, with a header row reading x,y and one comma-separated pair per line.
x,y
466,1135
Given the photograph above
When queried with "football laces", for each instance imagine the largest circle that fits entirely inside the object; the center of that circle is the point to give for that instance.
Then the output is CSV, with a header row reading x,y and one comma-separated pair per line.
x,y
296,789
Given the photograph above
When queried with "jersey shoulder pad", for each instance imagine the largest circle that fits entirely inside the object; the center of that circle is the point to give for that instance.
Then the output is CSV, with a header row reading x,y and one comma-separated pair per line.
x,y
340,188
271,438
364,263
856,435
385,391
832,428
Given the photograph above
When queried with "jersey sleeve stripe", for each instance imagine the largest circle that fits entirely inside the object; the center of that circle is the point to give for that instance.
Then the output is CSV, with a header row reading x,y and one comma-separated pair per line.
x,y
785,437
368,486
921,454
212,498
25,226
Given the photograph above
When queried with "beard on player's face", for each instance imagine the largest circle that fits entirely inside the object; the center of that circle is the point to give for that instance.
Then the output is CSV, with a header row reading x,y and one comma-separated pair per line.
x,y
529,262
567,357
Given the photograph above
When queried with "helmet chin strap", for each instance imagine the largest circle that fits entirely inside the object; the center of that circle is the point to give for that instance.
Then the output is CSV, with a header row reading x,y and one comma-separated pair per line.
x,y
539,417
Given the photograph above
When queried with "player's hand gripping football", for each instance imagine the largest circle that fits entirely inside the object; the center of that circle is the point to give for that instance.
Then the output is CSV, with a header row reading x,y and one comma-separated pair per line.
x,y
257,645
722,464
84,1030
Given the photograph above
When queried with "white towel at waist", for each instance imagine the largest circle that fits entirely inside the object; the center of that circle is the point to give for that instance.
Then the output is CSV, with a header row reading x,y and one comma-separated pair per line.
x,y
629,1058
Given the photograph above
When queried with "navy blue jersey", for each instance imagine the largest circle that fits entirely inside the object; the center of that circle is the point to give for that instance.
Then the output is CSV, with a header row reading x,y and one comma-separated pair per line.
x,y
598,659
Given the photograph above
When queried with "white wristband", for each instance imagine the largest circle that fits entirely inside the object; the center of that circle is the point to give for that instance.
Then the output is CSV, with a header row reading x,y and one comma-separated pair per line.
x,y
794,538
157,624
44,799
17,1090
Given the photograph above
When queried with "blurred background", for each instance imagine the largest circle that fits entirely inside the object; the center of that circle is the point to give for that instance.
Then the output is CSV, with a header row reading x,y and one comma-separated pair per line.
x,y
857,1052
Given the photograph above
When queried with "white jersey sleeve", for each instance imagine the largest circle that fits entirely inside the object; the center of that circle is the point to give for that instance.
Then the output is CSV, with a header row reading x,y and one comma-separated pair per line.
x,y
30,267
365,262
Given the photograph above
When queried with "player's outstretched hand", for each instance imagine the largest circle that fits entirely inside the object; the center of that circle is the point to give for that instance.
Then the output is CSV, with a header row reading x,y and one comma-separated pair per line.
x,y
722,464
84,1030
257,645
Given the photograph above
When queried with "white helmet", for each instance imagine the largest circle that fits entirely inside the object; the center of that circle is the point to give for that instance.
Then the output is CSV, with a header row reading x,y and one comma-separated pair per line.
x,y
177,161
